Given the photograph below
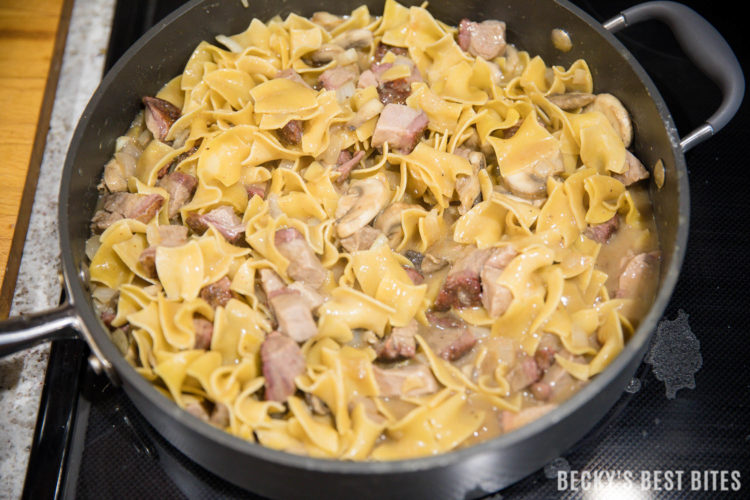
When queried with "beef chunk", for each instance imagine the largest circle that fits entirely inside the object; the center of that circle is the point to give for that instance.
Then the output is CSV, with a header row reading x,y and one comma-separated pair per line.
x,y
346,164
383,48
463,287
523,374
223,219
399,344
304,264
204,331
123,205
601,233
400,126
485,39
291,133
293,314
496,298
449,337
362,239
282,361
218,293
160,115
180,187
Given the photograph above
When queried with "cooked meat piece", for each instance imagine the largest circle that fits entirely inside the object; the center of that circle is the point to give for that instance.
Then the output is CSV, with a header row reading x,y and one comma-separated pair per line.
x,y
399,344
496,298
485,39
335,78
147,260
601,233
367,79
218,293
415,276
346,164
204,331
291,133
256,190
173,236
512,421
361,203
282,361
639,276
524,373
463,287
394,91
310,296
635,172
400,126
108,316
223,219
292,75
180,187
383,48
362,239
121,205
270,281
416,258
160,115
549,345
293,314
570,101
220,416
449,338
197,410
304,264
556,385
409,380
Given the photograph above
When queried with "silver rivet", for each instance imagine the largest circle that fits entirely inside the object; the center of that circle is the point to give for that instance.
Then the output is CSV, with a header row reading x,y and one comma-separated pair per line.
x,y
95,364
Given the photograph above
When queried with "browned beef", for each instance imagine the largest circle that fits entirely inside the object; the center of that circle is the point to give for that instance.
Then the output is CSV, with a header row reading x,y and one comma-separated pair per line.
x,y
398,344
176,161
293,314
400,126
258,189
346,164
304,264
394,91
204,331
123,205
335,78
362,239
218,293
282,361
180,187
485,39
147,259
291,133
449,337
223,219
601,233
160,115
549,345
496,298
635,172
524,373
415,276
463,287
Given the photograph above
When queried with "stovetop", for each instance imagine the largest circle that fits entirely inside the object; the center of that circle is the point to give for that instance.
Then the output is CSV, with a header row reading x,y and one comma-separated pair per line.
x,y
91,442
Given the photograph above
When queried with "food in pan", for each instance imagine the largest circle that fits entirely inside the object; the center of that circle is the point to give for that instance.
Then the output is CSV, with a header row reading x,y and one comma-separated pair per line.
x,y
373,237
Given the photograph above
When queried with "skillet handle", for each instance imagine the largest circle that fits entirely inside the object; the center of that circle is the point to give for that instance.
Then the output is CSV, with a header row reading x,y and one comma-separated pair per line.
x,y
21,332
705,47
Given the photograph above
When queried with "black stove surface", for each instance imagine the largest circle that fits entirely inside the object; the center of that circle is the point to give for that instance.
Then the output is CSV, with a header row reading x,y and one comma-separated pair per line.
x,y
92,443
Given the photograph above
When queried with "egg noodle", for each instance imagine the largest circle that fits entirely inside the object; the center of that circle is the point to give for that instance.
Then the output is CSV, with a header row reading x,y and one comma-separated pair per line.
x,y
232,104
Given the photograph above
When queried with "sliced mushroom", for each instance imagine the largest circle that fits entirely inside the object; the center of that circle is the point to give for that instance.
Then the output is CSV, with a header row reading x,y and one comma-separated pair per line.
x,y
467,186
389,222
326,20
611,107
531,182
570,101
354,39
326,53
362,202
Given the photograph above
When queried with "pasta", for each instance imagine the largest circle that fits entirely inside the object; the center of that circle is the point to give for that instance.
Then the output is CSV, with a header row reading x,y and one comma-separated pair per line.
x,y
372,237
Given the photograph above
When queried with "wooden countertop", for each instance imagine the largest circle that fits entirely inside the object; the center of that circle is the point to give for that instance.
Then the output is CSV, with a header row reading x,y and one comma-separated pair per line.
x,y
32,38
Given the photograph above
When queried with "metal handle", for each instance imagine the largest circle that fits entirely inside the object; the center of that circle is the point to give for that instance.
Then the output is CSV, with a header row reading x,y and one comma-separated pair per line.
x,y
705,47
28,330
